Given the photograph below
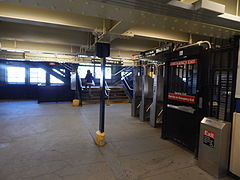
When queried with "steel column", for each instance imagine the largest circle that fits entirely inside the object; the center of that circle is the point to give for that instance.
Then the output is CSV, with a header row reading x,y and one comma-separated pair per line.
x,y
102,96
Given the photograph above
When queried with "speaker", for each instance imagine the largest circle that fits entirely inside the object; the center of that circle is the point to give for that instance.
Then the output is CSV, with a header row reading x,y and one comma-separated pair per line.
x,y
102,50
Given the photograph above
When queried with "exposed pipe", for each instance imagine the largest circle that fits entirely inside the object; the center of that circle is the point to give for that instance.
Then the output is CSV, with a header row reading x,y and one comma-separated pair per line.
x,y
194,44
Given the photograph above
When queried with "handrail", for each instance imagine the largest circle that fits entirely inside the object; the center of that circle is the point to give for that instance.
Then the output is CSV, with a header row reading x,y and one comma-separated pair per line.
x,y
107,90
127,84
123,69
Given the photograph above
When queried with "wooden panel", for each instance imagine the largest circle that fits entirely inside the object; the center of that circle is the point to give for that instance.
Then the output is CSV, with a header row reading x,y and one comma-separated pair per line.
x,y
235,149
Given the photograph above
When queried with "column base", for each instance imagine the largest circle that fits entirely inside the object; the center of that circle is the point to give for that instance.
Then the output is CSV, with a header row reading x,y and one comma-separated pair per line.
x,y
100,138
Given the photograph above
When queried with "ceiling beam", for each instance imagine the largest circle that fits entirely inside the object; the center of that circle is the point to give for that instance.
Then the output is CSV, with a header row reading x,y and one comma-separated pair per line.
x,y
47,17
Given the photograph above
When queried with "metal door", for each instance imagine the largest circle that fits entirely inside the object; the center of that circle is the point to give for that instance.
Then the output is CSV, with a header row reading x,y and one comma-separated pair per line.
x,y
182,120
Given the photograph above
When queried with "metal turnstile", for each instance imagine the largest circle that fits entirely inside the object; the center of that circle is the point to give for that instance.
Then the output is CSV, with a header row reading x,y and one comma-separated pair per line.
x,y
137,85
156,110
214,142
147,94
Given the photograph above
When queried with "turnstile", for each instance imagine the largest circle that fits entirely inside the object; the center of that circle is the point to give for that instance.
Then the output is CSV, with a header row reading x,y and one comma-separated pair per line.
x,y
137,85
156,110
147,94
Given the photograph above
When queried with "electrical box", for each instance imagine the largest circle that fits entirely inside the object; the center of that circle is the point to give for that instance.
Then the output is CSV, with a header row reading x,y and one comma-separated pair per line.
x,y
214,145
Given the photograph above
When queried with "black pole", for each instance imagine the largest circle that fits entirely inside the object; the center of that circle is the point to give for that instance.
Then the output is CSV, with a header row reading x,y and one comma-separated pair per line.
x,y
102,96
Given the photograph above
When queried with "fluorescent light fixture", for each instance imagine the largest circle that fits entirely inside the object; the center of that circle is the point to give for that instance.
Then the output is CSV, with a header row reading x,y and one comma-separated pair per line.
x,y
83,56
229,17
13,50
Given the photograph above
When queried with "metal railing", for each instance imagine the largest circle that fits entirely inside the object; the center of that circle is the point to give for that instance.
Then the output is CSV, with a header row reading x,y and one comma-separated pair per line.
x,y
127,84
107,92
122,70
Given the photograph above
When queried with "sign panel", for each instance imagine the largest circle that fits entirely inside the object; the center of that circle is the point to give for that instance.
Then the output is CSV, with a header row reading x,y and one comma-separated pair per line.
x,y
182,98
209,138
178,63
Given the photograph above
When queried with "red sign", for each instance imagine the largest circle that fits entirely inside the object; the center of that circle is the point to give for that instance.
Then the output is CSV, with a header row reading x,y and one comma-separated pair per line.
x,y
182,98
178,63
209,134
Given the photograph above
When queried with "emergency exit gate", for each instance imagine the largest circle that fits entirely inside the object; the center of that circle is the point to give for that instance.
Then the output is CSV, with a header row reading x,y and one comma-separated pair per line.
x,y
182,115
198,83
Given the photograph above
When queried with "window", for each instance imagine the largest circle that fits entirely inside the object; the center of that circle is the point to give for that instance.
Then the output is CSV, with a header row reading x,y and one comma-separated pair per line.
x,y
37,76
56,81
82,70
108,72
16,75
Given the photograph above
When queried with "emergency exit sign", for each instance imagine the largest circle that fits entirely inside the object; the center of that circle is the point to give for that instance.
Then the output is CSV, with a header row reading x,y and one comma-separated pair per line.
x,y
209,138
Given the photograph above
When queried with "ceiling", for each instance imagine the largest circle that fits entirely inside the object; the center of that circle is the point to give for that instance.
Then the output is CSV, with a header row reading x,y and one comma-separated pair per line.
x,y
73,26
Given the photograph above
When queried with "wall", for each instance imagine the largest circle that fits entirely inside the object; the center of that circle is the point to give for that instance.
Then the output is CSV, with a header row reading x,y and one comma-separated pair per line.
x,y
20,91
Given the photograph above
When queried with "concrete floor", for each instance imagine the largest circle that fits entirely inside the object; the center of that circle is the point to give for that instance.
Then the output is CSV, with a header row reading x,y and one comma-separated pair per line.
x,y
56,141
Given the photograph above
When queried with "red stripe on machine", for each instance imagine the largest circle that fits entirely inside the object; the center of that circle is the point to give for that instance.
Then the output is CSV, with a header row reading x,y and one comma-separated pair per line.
x,y
182,98
209,134
177,63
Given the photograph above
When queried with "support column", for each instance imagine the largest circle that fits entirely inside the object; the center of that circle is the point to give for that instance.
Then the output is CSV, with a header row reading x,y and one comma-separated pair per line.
x,y
102,96
102,51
